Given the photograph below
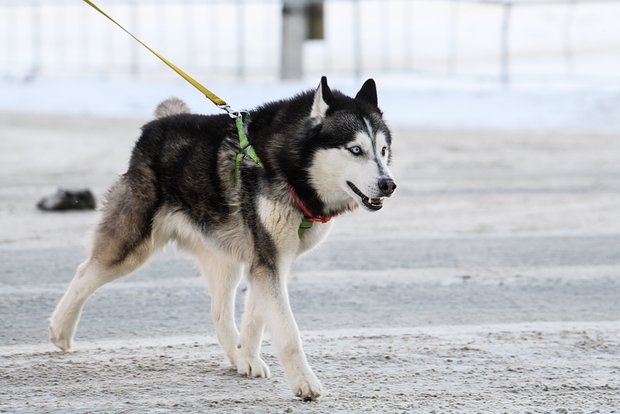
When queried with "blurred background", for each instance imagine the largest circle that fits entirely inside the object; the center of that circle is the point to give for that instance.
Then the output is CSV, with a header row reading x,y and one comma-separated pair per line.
x,y
486,41
559,57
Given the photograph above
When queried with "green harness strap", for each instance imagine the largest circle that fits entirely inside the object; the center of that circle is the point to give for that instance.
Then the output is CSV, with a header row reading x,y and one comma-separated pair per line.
x,y
246,149
306,224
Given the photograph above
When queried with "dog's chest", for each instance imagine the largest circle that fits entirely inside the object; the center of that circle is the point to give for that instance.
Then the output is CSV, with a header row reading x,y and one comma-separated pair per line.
x,y
282,223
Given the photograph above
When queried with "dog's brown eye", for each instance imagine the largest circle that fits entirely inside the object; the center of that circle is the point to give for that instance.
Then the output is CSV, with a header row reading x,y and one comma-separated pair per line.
x,y
383,151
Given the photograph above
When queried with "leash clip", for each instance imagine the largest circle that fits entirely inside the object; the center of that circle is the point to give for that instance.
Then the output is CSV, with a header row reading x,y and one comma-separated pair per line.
x,y
244,151
231,112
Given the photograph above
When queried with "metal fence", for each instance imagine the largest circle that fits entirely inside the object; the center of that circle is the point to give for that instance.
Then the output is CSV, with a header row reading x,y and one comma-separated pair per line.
x,y
483,40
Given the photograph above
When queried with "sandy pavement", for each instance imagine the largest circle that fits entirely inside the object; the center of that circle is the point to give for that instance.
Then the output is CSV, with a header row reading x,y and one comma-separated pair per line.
x,y
490,283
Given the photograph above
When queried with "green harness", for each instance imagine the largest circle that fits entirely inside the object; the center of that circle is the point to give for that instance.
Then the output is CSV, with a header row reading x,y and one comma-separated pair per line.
x,y
245,147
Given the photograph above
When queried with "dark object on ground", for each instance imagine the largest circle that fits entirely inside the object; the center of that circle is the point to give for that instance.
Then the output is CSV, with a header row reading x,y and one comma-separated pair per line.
x,y
68,200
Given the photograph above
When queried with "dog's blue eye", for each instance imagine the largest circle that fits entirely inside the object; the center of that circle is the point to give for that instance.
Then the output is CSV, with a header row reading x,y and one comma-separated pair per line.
x,y
356,150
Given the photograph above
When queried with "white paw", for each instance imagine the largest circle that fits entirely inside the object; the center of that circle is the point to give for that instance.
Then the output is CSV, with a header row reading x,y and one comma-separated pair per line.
x,y
62,341
307,387
251,366
230,359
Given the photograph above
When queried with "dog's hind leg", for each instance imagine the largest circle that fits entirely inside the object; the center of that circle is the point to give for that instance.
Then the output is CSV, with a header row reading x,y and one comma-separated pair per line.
x,y
89,276
122,243
222,275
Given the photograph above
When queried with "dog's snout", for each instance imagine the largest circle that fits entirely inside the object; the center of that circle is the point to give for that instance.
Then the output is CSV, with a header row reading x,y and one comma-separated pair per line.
x,y
387,186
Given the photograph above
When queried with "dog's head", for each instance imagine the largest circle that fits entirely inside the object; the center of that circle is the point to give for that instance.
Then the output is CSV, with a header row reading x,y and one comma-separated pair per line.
x,y
352,149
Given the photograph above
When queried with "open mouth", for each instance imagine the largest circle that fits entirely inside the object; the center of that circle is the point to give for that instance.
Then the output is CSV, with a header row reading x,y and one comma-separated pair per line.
x,y
370,203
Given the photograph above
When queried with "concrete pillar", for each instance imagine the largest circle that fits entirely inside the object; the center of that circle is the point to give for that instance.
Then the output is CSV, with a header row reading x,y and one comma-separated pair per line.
x,y
293,35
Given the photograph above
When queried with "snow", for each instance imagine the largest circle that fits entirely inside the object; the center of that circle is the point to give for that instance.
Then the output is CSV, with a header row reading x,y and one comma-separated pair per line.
x,y
405,102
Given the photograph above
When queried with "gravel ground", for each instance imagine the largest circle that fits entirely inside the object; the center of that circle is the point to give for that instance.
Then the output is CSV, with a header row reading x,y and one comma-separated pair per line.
x,y
490,283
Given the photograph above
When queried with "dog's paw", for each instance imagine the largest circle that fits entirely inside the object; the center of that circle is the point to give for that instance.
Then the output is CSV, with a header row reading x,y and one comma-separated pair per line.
x,y
307,387
251,366
64,342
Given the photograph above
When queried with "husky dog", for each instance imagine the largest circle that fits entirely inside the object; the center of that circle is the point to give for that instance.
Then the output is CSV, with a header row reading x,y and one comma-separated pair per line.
x,y
321,154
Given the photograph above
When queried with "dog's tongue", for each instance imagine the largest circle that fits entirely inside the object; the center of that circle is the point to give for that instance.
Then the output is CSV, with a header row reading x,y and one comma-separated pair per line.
x,y
376,201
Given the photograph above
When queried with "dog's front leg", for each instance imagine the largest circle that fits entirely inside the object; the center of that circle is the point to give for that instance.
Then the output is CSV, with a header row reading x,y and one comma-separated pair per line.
x,y
269,295
247,356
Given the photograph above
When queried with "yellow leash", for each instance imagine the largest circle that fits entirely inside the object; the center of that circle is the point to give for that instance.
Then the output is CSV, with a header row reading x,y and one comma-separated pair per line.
x,y
210,95
246,149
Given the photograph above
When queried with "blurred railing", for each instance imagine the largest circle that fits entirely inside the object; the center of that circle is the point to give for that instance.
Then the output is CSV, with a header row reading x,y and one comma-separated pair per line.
x,y
483,40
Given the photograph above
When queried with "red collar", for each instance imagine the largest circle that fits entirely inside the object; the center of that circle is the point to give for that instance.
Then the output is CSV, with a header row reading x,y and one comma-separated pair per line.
x,y
303,208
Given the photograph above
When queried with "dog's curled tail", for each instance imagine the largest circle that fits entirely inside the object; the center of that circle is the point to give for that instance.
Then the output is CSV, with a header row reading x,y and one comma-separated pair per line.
x,y
171,106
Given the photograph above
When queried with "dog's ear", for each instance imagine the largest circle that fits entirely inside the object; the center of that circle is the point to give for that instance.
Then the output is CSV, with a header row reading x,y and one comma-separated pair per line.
x,y
323,98
368,93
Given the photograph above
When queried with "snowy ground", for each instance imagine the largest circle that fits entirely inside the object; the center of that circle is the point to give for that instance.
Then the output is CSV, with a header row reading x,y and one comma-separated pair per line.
x,y
537,368
489,283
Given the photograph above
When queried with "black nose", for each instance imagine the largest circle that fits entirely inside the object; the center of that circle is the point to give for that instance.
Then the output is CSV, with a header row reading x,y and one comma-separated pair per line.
x,y
387,186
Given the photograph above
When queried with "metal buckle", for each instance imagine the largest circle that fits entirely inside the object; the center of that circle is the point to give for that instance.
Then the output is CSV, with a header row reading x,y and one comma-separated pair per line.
x,y
231,112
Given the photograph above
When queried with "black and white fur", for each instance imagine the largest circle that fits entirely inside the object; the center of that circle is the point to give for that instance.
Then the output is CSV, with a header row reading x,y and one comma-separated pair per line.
x,y
332,149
